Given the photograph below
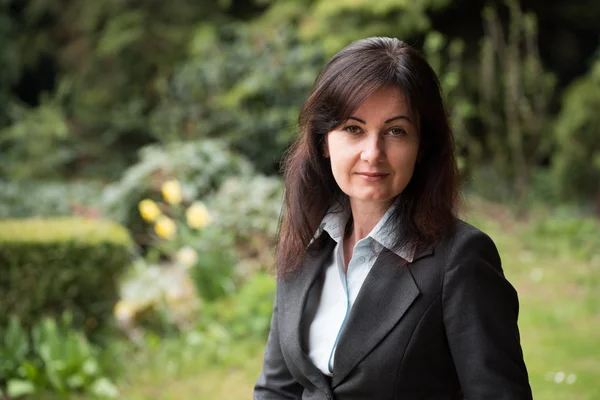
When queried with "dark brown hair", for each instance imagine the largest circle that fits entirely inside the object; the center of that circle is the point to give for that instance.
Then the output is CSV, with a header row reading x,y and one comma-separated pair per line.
x,y
426,207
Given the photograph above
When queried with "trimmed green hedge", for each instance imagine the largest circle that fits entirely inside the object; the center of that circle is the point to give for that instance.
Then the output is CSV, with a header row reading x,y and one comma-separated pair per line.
x,y
48,266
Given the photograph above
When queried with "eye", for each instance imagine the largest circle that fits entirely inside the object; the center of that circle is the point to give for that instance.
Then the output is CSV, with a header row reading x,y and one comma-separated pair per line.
x,y
352,129
397,131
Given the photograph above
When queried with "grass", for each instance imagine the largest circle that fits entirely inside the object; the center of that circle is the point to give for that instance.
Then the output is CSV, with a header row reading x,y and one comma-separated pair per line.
x,y
552,266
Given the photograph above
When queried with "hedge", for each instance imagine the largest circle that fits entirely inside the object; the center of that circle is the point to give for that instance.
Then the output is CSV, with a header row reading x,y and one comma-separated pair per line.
x,y
48,266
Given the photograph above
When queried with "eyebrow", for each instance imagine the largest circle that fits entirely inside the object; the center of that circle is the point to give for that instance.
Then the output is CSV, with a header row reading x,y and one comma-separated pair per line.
x,y
386,121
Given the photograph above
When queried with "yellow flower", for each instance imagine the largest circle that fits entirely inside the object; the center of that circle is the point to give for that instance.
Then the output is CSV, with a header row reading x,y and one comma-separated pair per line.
x,y
198,216
171,191
124,311
149,210
165,227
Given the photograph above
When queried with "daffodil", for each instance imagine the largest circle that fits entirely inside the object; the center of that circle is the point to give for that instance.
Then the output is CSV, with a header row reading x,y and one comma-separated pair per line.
x,y
171,191
198,216
149,210
165,227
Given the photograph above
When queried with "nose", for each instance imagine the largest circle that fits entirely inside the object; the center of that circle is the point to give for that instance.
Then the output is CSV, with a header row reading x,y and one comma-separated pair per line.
x,y
372,151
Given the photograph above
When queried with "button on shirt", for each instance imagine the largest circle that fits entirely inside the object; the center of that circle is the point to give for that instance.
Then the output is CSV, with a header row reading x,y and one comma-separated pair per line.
x,y
338,289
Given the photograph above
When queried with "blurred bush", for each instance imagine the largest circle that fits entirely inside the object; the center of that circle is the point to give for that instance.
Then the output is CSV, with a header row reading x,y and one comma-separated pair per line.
x,y
334,24
35,130
250,208
201,166
96,69
47,266
24,199
244,86
247,313
576,162
9,60
217,247
51,357
159,298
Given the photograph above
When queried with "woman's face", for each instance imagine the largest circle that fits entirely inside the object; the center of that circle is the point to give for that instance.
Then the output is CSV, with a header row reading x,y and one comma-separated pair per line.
x,y
373,154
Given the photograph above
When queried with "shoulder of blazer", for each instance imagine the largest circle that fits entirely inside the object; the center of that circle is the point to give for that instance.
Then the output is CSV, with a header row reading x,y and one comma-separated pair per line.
x,y
465,237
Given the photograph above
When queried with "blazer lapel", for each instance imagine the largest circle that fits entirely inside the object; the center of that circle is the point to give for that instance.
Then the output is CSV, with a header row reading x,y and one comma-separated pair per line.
x,y
293,298
386,294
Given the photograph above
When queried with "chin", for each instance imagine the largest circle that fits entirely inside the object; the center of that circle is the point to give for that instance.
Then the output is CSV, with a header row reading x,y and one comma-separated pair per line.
x,y
374,197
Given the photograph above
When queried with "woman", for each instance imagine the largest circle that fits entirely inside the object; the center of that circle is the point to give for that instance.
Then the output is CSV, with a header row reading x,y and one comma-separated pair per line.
x,y
382,292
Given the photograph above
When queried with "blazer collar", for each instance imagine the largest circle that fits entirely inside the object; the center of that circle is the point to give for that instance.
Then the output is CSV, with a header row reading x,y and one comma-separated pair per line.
x,y
336,219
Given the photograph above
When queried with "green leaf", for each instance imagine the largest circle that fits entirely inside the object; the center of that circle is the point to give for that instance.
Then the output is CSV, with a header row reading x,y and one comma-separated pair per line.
x,y
90,367
15,340
30,371
104,388
19,387
75,381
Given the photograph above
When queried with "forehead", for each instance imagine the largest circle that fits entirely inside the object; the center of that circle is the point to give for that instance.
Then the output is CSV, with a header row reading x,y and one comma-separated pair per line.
x,y
386,102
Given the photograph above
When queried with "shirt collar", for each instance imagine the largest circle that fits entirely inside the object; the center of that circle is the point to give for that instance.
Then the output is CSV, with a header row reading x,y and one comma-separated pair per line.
x,y
334,223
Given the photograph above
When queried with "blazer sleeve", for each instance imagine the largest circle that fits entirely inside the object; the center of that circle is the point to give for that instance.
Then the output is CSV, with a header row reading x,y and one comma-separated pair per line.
x,y
275,382
480,316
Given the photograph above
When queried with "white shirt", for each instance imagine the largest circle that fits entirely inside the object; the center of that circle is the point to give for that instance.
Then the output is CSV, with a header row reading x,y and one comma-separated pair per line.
x,y
339,289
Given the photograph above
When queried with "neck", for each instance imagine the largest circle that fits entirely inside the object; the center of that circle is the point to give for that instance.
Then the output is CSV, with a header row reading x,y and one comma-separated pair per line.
x,y
365,216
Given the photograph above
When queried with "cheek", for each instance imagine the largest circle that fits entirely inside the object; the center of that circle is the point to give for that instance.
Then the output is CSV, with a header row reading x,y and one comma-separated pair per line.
x,y
405,162
339,168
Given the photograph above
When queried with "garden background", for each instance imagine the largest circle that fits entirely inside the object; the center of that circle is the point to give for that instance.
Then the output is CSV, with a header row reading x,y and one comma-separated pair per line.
x,y
140,144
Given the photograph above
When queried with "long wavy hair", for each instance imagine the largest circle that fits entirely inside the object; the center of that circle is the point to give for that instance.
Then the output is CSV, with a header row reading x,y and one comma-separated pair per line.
x,y
426,207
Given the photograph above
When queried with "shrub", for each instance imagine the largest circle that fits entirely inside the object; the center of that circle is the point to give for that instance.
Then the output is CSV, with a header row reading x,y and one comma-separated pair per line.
x,y
576,163
243,87
249,205
26,199
48,266
250,208
201,167
247,313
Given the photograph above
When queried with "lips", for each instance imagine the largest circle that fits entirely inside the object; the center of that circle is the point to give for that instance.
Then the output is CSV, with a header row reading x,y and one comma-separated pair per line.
x,y
372,176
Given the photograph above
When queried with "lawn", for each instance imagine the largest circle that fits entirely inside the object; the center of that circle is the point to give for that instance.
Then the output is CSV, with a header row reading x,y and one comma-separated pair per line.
x,y
554,269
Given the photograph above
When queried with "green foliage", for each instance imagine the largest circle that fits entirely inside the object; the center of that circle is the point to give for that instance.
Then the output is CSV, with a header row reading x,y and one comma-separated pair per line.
x,y
9,61
24,199
52,357
14,349
576,162
28,139
249,205
514,98
246,88
337,23
213,274
247,313
61,264
107,61
447,59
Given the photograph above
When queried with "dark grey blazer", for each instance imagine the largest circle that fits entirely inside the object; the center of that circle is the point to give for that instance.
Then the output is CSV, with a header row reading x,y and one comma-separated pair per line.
x,y
443,327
